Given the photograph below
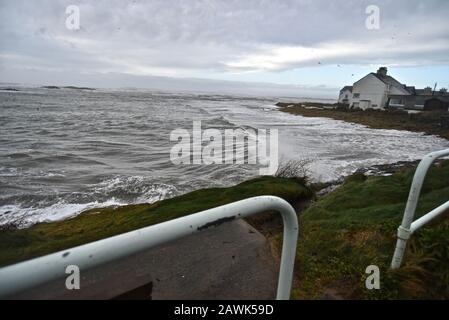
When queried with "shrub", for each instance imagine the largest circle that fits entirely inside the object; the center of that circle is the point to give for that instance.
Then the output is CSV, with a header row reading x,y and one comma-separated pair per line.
x,y
294,169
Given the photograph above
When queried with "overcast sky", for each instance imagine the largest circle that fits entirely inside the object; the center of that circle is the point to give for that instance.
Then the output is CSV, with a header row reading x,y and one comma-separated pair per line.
x,y
297,47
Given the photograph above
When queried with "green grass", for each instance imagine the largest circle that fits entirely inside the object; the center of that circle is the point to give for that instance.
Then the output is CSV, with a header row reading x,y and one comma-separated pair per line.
x,y
355,226
96,224
340,234
427,122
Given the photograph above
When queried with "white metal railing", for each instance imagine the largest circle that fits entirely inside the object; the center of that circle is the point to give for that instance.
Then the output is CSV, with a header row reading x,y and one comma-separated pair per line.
x,y
408,226
26,275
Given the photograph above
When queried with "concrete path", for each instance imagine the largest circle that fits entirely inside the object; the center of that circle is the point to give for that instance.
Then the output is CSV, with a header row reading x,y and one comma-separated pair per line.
x,y
232,261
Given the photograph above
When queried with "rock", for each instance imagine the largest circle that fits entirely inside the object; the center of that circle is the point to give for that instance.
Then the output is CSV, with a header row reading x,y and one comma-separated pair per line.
x,y
51,87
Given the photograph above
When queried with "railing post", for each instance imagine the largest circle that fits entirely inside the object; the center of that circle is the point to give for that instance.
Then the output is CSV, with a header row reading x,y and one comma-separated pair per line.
x,y
29,274
405,229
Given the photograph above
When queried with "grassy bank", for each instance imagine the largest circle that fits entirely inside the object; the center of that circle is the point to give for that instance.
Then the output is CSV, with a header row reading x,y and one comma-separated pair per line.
x,y
95,224
340,234
355,226
427,122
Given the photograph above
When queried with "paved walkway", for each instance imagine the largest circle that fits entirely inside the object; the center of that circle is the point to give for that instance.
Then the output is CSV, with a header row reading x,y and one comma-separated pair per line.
x,y
232,261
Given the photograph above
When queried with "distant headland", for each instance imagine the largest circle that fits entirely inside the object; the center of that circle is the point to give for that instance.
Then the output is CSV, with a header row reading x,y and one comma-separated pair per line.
x,y
68,87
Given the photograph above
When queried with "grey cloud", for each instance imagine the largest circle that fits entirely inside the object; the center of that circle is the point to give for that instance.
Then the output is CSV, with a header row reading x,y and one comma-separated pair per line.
x,y
186,37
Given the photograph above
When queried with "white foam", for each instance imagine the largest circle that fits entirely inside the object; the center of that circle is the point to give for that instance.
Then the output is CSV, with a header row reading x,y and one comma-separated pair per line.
x,y
55,212
139,187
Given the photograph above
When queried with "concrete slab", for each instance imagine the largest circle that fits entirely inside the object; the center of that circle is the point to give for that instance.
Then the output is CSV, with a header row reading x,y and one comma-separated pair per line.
x,y
232,261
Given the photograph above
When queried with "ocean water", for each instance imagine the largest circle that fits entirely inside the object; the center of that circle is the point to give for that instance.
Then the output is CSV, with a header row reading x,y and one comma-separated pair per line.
x,y
64,151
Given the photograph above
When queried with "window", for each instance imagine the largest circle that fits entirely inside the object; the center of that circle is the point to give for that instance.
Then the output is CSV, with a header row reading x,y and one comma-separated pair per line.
x,y
396,101
356,95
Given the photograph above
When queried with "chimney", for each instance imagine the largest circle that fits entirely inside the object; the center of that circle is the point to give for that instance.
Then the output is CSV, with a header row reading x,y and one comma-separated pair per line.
x,y
382,71
427,90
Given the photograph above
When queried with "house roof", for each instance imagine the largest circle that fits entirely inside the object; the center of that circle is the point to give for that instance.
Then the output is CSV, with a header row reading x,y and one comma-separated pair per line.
x,y
421,99
410,89
424,92
441,98
427,93
389,80
346,88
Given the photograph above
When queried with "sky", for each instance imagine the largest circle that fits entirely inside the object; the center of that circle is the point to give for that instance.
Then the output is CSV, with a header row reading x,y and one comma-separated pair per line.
x,y
307,48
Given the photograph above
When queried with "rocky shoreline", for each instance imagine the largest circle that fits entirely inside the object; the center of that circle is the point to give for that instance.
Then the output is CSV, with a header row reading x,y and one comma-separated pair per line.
x,y
428,122
378,170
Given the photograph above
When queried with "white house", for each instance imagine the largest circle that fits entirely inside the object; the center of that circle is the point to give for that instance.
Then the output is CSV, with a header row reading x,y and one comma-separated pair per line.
x,y
345,96
373,90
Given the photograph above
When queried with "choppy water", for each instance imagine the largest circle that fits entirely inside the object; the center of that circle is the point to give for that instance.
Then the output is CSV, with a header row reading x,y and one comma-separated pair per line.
x,y
63,151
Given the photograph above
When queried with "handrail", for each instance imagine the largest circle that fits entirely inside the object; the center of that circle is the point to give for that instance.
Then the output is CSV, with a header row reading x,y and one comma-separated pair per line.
x,y
408,227
29,274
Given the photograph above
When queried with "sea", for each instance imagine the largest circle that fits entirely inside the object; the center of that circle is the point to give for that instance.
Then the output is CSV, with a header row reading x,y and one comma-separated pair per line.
x,y
63,151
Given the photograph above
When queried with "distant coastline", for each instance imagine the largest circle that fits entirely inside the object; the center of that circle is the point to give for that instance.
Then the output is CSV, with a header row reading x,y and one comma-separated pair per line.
x,y
432,123
68,87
